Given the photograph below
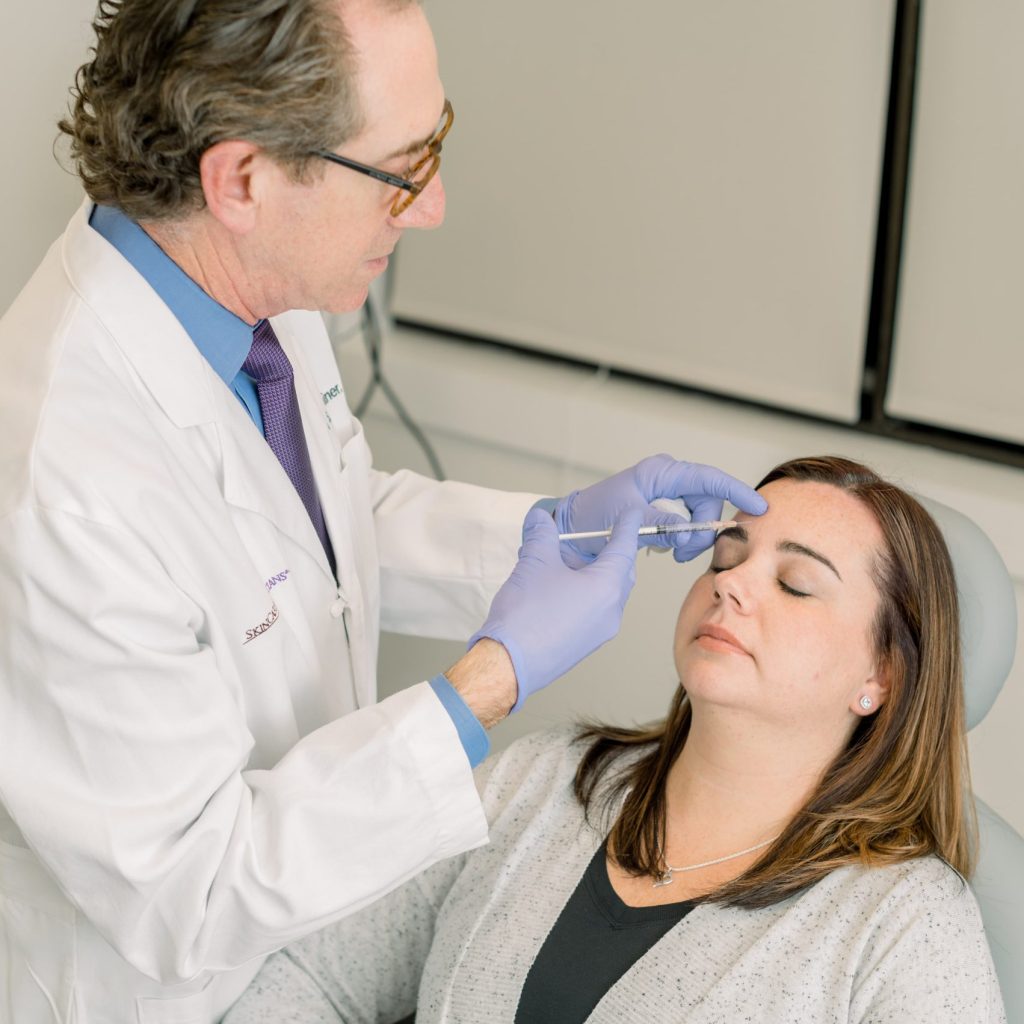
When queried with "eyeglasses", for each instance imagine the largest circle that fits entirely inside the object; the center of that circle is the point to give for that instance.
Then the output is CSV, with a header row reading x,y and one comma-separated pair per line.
x,y
417,177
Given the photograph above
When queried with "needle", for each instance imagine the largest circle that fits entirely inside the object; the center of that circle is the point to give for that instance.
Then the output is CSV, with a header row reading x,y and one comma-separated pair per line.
x,y
654,531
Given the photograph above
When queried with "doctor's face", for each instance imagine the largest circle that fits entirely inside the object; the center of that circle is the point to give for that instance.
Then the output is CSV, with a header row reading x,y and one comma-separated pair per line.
x,y
333,236
779,627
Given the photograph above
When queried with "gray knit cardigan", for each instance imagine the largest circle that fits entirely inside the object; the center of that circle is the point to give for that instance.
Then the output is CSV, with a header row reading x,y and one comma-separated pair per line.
x,y
892,944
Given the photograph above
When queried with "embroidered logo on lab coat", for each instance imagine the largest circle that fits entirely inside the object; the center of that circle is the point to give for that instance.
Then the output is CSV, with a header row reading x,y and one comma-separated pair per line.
x,y
261,628
278,577
329,396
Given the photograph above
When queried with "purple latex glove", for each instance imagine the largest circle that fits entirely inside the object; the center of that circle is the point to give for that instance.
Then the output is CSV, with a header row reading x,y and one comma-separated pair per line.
x,y
702,488
549,616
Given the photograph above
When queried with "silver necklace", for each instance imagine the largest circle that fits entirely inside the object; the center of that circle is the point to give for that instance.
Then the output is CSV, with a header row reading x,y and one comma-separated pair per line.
x,y
666,876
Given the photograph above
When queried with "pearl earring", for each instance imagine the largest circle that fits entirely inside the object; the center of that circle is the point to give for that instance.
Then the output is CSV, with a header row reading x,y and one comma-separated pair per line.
x,y
865,703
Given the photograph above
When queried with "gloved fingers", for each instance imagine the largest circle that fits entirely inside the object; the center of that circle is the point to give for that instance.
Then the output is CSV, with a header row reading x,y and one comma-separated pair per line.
x,y
622,545
692,544
623,540
695,479
688,545
562,515
664,540
704,509
540,534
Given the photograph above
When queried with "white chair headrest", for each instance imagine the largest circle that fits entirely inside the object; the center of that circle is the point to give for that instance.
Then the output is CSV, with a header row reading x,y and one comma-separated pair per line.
x,y
988,608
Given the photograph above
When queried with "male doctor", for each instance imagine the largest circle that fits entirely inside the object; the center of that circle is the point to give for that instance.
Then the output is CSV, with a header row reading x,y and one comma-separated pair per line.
x,y
195,553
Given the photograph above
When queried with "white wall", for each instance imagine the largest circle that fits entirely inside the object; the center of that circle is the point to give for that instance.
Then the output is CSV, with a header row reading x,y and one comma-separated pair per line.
x,y
709,170
959,357
517,422
42,44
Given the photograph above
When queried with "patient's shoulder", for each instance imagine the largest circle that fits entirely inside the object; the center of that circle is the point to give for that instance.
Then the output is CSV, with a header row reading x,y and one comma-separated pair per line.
x,y
929,877
920,940
539,760
905,895
536,773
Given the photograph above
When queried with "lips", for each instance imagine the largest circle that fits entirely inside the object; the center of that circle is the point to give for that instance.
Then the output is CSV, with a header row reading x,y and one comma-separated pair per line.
x,y
720,638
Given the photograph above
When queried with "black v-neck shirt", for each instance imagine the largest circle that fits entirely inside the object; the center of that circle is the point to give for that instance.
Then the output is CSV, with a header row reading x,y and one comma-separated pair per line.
x,y
594,942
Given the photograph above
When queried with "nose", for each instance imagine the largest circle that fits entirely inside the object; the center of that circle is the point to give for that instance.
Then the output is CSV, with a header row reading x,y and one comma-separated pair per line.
x,y
428,209
730,588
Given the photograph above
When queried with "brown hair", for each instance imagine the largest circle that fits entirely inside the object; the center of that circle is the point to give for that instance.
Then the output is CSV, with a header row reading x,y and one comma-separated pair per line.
x,y
901,787
170,78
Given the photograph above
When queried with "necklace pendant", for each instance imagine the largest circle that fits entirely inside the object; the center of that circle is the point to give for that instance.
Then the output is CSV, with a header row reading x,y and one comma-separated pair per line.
x,y
664,879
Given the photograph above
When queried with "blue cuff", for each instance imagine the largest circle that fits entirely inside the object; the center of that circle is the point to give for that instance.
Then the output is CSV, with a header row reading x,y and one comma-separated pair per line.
x,y
472,734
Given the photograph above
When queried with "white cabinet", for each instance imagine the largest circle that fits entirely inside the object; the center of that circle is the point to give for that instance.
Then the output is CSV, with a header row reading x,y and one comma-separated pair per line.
x,y
959,354
684,189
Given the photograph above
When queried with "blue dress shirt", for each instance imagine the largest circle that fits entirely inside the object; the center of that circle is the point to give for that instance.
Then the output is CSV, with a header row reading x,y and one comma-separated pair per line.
x,y
224,340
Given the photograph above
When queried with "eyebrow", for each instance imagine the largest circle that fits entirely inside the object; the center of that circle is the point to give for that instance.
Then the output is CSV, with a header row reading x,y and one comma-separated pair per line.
x,y
791,546
800,549
413,147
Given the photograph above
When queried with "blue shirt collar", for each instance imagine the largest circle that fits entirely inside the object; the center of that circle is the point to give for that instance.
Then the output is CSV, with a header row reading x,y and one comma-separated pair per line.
x,y
223,338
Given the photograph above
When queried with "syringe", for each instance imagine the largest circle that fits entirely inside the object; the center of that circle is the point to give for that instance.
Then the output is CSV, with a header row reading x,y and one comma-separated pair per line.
x,y
654,531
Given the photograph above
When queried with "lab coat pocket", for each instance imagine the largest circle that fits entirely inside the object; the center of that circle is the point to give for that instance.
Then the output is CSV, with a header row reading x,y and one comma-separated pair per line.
x,y
37,942
354,450
194,1008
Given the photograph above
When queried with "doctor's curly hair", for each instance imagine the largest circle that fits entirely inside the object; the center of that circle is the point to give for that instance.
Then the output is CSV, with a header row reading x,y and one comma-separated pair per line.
x,y
168,79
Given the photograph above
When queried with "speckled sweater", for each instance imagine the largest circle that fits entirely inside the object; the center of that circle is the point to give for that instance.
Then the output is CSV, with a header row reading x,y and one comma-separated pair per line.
x,y
895,944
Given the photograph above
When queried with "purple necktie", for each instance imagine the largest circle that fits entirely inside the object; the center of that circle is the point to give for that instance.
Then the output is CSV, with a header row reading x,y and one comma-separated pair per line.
x,y
282,426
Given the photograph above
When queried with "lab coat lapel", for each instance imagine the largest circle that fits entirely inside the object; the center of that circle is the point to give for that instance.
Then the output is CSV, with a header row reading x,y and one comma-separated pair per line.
x,y
182,382
254,480
323,454
148,334
335,482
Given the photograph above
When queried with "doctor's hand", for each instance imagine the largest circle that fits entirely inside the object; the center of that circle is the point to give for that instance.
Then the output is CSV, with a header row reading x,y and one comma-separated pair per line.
x,y
703,489
549,616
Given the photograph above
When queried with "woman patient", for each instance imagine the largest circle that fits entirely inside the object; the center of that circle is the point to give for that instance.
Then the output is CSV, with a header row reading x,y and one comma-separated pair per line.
x,y
789,844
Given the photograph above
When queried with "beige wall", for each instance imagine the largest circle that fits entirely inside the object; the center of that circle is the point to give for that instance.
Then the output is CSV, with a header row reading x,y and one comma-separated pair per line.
x,y
42,44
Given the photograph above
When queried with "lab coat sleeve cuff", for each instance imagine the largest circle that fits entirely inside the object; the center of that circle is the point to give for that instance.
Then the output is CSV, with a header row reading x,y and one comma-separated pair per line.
x,y
430,744
472,734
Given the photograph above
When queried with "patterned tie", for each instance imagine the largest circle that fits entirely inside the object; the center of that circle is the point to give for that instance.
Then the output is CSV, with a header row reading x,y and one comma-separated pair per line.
x,y
282,426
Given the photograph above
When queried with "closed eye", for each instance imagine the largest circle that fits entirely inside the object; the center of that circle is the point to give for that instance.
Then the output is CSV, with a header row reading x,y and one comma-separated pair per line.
x,y
783,585
787,589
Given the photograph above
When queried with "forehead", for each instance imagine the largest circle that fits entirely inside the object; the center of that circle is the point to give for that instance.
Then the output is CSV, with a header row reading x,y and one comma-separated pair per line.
x,y
399,85
821,517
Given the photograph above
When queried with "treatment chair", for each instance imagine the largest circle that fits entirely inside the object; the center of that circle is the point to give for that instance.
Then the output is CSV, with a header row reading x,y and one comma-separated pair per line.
x,y
988,625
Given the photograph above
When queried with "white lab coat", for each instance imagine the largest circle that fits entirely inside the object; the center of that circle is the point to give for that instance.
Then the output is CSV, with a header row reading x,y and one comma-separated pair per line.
x,y
186,783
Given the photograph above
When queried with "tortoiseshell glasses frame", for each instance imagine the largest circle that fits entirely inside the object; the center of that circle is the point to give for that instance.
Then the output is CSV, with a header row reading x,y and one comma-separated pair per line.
x,y
417,177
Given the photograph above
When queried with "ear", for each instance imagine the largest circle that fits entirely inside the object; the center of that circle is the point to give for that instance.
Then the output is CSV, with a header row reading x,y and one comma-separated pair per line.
x,y
876,688
230,173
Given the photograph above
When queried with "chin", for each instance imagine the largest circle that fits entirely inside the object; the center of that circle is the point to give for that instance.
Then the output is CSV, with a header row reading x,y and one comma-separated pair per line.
x,y
706,681
346,303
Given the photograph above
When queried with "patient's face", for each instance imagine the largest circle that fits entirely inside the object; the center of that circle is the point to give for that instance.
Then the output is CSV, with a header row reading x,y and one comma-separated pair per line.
x,y
801,647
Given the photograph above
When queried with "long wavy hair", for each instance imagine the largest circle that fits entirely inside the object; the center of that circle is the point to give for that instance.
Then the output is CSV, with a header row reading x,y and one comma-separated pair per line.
x,y
900,789
170,78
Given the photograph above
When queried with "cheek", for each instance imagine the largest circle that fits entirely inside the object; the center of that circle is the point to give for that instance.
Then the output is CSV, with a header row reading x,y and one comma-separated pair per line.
x,y
693,610
819,660
335,230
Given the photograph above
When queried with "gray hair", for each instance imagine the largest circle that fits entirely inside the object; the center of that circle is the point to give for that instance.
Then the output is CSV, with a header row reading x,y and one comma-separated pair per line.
x,y
169,79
